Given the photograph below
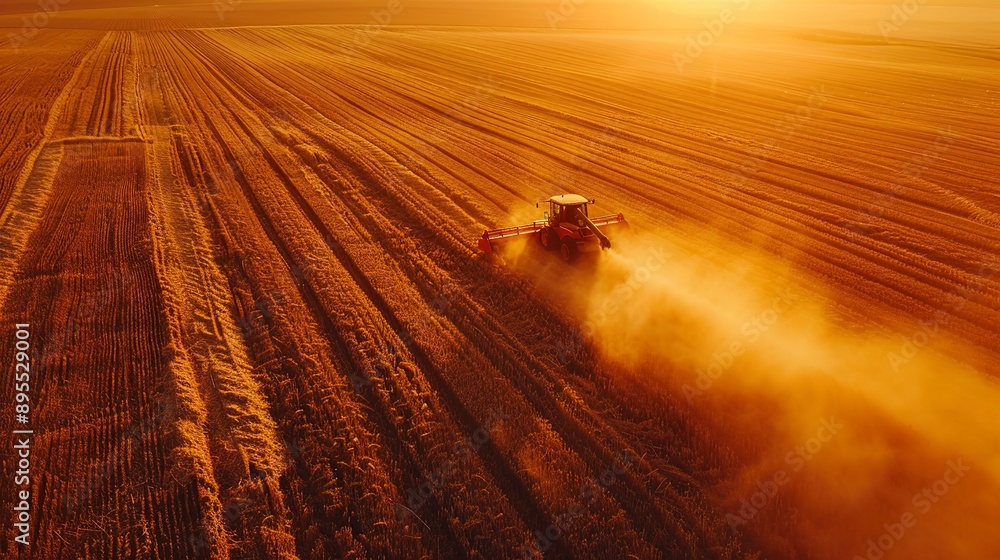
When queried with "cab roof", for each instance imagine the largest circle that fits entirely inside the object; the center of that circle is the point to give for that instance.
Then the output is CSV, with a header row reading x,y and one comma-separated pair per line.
x,y
568,199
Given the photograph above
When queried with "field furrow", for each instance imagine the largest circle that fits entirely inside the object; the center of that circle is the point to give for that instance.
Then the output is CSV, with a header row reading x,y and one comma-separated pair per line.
x,y
113,395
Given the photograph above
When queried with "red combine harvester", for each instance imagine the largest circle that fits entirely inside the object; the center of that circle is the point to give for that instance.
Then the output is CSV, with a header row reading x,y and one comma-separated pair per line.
x,y
566,226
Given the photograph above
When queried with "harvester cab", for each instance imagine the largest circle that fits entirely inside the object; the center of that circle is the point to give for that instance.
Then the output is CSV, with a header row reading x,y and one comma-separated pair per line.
x,y
567,226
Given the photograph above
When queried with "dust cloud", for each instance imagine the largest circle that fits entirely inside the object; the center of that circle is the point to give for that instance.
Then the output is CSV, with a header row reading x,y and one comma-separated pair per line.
x,y
844,438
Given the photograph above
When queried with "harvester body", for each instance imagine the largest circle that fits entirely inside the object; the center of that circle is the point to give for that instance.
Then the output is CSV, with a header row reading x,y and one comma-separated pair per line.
x,y
567,227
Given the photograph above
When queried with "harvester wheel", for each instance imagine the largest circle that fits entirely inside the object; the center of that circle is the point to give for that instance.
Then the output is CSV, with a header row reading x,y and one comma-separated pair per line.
x,y
547,239
568,251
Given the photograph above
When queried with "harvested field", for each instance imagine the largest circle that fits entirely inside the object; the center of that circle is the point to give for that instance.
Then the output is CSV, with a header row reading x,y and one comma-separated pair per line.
x,y
260,326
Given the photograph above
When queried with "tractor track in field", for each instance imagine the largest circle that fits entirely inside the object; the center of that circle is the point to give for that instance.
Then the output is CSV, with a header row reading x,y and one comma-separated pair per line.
x,y
337,344
238,276
243,443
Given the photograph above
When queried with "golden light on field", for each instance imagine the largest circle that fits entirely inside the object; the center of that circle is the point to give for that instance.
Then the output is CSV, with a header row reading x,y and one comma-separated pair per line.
x,y
260,301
